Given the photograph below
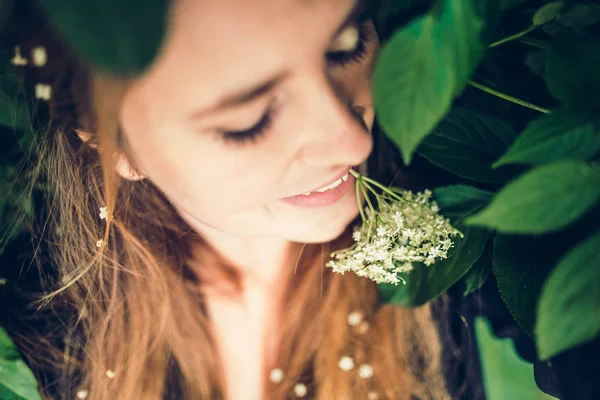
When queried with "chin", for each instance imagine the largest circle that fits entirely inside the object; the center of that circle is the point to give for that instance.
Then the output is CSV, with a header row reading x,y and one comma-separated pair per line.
x,y
324,234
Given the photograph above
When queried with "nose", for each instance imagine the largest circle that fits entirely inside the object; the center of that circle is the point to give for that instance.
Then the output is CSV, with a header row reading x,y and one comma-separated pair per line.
x,y
335,129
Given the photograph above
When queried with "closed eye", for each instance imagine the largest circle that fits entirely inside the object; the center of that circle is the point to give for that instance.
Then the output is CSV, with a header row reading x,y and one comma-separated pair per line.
x,y
250,134
351,47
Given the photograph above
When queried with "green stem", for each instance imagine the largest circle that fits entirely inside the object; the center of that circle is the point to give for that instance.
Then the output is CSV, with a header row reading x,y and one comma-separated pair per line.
x,y
540,44
355,174
513,37
360,206
362,187
508,98
380,186
391,193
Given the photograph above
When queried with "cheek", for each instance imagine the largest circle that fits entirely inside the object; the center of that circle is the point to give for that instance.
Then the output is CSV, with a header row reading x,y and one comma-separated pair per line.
x,y
203,175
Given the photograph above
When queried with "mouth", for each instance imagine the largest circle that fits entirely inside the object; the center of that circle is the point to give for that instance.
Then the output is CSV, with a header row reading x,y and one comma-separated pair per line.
x,y
327,194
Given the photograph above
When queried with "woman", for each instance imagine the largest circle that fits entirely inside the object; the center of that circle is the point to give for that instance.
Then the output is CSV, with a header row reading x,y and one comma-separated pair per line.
x,y
190,225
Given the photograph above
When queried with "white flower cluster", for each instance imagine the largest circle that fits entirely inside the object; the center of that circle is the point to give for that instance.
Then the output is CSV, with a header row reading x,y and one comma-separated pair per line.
x,y
406,228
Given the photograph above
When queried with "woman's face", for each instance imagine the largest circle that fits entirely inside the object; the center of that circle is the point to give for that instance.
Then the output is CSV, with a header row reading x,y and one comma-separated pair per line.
x,y
294,75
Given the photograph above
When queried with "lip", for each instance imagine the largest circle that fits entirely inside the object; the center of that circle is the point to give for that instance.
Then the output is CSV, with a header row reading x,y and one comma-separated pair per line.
x,y
329,197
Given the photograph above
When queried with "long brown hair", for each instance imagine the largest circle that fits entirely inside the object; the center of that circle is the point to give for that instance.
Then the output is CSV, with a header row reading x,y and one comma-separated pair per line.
x,y
130,302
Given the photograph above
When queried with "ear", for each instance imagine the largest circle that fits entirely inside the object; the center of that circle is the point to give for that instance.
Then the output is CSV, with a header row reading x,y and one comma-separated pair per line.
x,y
123,167
127,171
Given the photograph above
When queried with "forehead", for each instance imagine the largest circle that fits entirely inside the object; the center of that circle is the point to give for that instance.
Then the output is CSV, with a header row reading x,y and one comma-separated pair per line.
x,y
215,46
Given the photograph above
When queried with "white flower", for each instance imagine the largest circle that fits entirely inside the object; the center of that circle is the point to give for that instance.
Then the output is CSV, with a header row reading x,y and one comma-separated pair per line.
x,y
346,363
365,371
103,213
405,229
373,395
18,60
110,374
43,91
355,318
39,56
381,231
99,243
276,375
82,394
300,389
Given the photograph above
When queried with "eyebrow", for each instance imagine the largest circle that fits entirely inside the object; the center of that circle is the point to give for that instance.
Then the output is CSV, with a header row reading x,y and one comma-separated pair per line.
x,y
248,95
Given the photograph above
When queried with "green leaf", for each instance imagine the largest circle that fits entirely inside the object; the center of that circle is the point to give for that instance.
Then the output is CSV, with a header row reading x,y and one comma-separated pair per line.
x,y
459,201
422,68
521,264
580,16
467,142
506,375
548,12
572,71
570,300
17,382
476,277
544,199
424,284
536,62
120,36
561,134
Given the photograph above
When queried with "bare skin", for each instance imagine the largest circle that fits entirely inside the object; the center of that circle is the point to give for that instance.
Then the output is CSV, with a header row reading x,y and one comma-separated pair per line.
x,y
230,192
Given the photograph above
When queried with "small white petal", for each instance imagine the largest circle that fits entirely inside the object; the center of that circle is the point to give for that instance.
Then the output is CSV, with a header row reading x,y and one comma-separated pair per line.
x,y
346,363
373,395
18,59
276,375
365,371
355,318
110,374
99,243
39,56
300,389
43,91
82,394
103,213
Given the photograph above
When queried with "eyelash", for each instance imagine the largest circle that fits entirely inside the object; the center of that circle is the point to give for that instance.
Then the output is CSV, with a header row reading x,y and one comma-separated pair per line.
x,y
334,59
252,134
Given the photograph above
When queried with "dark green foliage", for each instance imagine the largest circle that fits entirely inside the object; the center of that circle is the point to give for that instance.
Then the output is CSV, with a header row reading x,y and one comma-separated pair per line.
x,y
120,36
479,272
411,96
563,134
566,320
525,133
466,142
